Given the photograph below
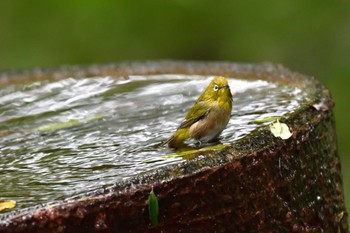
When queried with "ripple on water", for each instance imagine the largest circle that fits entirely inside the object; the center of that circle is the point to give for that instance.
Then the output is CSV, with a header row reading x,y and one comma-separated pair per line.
x,y
138,112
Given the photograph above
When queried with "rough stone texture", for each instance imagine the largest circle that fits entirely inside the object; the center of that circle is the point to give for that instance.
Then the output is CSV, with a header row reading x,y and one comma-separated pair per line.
x,y
259,184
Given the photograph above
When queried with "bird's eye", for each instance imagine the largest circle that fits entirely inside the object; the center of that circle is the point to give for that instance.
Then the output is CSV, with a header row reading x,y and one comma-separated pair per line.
x,y
216,87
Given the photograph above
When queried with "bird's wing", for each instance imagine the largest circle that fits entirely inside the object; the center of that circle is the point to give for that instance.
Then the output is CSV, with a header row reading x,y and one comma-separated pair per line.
x,y
196,113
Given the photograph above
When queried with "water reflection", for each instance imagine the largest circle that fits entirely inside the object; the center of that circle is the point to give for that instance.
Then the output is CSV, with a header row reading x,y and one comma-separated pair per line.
x,y
136,113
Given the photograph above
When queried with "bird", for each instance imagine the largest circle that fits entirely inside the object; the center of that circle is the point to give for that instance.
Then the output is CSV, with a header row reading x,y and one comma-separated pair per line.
x,y
207,118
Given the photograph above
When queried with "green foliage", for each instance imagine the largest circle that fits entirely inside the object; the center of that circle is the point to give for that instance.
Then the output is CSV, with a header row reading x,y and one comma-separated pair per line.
x,y
153,210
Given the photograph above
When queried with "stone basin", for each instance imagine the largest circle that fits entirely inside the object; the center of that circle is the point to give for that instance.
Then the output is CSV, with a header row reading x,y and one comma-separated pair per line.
x,y
260,183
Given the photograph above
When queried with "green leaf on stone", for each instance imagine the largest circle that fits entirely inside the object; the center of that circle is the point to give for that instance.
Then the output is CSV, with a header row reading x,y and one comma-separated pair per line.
x,y
280,130
153,208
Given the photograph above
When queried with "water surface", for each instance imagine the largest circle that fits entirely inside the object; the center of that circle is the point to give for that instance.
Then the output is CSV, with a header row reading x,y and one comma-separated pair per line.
x,y
119,122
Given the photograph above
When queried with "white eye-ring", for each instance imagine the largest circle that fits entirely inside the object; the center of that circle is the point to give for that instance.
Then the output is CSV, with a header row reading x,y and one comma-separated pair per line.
x,y
216,87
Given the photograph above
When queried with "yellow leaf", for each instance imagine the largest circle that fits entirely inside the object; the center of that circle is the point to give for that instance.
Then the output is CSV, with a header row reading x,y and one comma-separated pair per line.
x,y
7,205
280,130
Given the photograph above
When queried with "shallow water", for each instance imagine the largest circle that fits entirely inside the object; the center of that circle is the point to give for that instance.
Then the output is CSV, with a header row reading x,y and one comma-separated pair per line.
x,y
115,124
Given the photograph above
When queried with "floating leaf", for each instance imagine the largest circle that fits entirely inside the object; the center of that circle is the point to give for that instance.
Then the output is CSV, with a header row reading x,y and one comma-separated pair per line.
x,y
188,153
266,119
4,133
7,205
280,130
69,123
153,208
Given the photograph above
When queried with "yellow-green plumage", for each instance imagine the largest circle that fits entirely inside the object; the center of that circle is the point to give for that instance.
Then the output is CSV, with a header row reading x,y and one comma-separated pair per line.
x,y
208,117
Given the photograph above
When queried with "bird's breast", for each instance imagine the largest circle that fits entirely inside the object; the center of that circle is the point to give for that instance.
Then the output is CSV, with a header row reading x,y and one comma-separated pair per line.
x,y
211,126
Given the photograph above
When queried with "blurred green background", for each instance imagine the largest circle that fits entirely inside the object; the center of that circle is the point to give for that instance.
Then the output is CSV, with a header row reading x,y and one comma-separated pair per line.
x,y
312,37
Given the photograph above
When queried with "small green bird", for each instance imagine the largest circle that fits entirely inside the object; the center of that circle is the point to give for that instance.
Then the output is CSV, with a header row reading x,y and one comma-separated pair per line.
x,y
207,118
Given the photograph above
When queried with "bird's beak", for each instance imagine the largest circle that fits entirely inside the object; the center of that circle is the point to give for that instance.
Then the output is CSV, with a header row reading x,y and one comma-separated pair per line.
x,y
226,86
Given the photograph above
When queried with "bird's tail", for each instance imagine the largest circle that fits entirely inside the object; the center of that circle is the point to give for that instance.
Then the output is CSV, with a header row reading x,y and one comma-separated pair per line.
x,y
169,140
177,139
